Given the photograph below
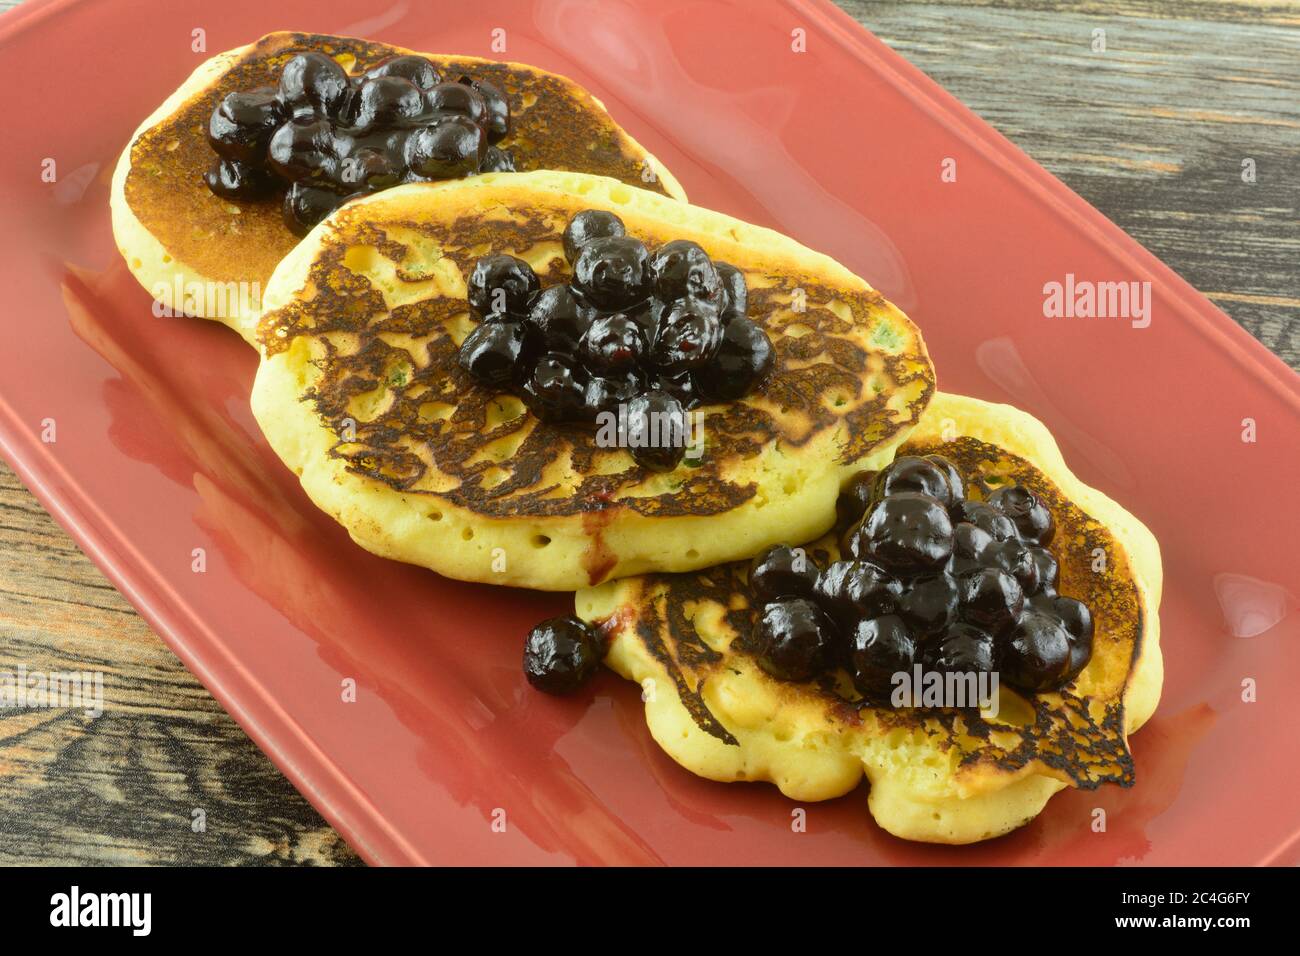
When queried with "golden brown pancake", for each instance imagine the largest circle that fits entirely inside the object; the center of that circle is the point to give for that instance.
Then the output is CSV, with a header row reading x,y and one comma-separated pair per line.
x,y
940,775
360,392
167,221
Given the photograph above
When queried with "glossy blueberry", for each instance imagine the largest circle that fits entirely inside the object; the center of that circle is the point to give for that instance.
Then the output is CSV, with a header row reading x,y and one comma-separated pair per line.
x,y
451,148
906,533
612,272
305,205
496,118
612,343
561,655
657,430
930,604
878,649
964,649
744,357
559,318
502,283
682,268
313,82
793,639
235,180
557,389
587,225
1037,655
688,336
991,599
491,353
242,125
1026,510
782,571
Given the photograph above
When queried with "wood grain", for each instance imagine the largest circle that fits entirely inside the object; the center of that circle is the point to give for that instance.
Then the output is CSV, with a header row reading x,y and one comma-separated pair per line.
x,y
1152,133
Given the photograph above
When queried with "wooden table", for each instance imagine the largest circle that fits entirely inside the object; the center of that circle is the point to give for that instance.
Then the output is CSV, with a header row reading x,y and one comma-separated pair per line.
x,y
1152,132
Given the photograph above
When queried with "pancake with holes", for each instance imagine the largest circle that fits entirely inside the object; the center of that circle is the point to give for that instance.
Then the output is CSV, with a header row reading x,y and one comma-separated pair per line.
x,y
211,255
943,774
361,393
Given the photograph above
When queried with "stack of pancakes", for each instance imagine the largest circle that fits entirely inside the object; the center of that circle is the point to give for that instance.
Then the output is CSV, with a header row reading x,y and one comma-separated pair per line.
x,y
359,392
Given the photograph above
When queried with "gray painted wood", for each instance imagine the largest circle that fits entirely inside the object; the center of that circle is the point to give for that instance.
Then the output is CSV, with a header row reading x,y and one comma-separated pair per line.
x,y
1151,133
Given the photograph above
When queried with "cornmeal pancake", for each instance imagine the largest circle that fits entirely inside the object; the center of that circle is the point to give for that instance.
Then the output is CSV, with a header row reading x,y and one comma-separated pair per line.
x,y
176,234
360,393
938,775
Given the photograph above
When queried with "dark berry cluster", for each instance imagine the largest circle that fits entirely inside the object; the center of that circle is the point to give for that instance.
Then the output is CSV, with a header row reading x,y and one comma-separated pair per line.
x,y
325,136
928,577
655,332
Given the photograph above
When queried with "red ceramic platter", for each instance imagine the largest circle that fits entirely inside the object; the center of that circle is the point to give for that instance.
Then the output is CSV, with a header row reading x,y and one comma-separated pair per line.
x,y
841,146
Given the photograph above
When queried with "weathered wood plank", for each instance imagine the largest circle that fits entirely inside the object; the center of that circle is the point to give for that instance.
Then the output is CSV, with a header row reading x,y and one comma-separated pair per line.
x,y
1153,131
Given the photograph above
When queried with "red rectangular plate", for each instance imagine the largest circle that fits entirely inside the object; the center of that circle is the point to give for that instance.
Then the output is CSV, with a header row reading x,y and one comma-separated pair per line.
x,y
841,146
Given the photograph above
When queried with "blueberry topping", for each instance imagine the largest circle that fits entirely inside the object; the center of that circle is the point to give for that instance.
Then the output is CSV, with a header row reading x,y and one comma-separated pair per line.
x,y
681,268
793,639
879,648
502,283
612,272
613,343
1031,517
688,336
588,225
395,123
1037,657
561,655
491,352
907,532
657,430
782,571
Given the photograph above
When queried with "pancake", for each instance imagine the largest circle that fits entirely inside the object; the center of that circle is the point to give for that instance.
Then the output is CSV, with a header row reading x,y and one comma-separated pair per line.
x,y
936,775
359,393
176,234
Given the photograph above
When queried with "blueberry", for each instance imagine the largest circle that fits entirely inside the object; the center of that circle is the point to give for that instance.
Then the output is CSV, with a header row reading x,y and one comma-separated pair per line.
x,y
735,287
561,655
605,393
231,179
612,343
743,359
451,148
1027,512
587,225
991,599
305,205
612,272
930,604
416,69
688,336
878,649
853,590
782,571
657,430
556,390
1046,570
1075,616
793,639
682,268
1037,655
369,169
964,650
313,82
559,318
684,387
920,475
986,518
496,119
497,161
303,149
906,532
459,98
242,125
855,498
385,101
492,352
502,283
